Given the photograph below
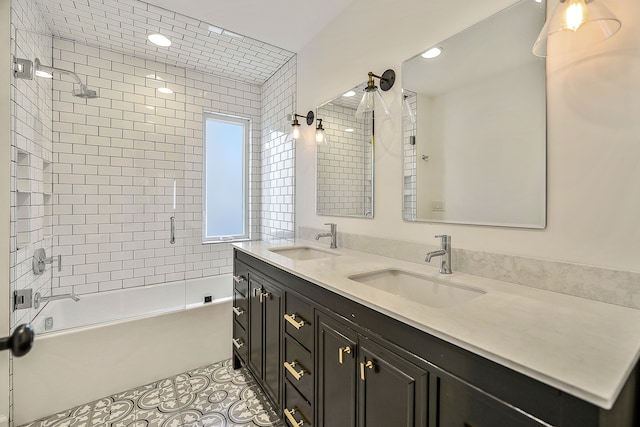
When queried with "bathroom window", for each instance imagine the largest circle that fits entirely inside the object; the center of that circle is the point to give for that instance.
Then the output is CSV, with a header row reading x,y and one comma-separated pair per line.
x,y
225,180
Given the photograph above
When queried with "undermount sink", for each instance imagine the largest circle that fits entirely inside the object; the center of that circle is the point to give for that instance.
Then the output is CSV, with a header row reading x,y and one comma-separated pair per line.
x,y
417,288
302,253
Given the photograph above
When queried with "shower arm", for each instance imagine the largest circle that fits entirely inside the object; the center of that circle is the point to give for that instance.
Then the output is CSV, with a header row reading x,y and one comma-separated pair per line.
x,y
39,66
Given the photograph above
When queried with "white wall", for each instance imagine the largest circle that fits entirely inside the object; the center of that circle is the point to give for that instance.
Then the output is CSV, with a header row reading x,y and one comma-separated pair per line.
x,y
593,132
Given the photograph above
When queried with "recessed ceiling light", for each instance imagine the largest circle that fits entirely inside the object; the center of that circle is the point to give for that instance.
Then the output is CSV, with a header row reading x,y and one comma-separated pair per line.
x,y
159,40
349,130
349,94
432,53
215,29
164,90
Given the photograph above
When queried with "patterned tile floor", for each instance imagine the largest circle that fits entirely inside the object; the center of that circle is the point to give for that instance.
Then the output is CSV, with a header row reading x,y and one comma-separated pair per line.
x,y
213,396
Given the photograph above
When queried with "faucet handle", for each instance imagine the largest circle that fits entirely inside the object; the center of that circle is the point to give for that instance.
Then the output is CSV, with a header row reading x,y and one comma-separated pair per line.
x,y
333,226
444,238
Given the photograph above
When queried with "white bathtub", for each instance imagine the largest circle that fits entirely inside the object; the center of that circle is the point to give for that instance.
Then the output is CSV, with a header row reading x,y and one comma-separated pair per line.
x,y
148,336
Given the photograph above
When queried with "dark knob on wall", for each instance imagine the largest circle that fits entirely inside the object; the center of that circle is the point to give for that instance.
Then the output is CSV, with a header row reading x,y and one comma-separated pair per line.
x,y
20,342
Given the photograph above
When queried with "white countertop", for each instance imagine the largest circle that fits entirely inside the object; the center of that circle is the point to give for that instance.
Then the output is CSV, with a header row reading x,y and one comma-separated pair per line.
x,y
582,347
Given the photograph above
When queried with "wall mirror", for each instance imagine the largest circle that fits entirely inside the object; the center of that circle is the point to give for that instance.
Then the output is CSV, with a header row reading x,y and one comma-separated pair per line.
x,y
345,164
474,125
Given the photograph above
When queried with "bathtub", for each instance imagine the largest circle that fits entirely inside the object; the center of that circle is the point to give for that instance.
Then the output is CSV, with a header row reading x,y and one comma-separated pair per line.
x,y
136,336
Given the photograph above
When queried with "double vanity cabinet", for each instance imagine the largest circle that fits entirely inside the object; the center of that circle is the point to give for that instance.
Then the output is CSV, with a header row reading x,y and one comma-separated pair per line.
x,y
326,360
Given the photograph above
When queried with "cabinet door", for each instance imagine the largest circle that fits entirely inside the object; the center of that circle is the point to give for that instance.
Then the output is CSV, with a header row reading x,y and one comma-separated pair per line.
x,y
392,391
336,353
271,304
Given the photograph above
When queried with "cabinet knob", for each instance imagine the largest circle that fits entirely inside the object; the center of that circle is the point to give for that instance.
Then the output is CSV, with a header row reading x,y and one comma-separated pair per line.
x,y
341,352
291,318
291,367
238,311
237,343
289,414
363,366
238,279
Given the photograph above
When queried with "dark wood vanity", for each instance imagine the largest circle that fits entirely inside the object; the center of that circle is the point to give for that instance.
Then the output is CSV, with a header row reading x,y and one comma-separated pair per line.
x,y
325,360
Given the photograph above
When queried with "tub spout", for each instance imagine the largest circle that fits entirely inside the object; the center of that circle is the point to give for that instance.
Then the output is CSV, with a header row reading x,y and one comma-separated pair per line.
x,y
39,299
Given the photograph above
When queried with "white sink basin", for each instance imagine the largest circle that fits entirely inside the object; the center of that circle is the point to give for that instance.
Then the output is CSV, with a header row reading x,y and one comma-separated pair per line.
x,y
421,289
302,253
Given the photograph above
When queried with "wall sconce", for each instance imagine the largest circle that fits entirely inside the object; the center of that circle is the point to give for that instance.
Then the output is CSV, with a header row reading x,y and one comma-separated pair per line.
x,y
577,24
295,126
321,135
372,94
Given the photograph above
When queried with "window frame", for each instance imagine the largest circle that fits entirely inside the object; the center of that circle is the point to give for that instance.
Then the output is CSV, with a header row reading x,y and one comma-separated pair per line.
x,y
246,146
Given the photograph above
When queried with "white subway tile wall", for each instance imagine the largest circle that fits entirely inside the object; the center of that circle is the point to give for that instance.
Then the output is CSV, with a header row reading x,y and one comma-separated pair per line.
x,y
409,131
277,196
115,162
123,25
344,167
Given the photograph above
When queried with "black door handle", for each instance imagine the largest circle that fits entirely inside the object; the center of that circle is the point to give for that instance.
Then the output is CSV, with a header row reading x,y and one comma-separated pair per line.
x,y
20,342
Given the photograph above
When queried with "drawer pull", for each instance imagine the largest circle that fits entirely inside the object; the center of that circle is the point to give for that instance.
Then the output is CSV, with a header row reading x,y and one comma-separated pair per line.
x,y
291,318
237,342
238,311
238,279
341,352
291,367
289,414
364,366
264,296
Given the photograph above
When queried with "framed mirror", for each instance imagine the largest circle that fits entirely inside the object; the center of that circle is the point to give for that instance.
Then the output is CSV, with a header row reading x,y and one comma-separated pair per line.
x,y
474,125
345,164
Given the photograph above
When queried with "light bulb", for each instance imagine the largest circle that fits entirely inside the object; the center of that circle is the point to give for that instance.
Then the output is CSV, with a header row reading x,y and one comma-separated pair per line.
x,y
295,131
575,14
319,136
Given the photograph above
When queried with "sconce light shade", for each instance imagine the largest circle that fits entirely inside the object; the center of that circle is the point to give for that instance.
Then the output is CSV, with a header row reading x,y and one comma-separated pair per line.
x,y
321,134
575,25
372,95
295,126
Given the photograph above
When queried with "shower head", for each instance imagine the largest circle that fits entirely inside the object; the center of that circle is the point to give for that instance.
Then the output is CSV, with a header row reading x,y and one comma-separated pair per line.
x,y
85,93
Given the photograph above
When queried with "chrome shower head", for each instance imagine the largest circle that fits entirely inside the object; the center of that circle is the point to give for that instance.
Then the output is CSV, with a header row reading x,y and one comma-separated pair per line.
x,y
85,93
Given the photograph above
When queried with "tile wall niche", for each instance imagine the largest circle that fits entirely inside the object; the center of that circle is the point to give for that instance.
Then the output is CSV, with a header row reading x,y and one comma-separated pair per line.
x,y
277,197
115,162
344,168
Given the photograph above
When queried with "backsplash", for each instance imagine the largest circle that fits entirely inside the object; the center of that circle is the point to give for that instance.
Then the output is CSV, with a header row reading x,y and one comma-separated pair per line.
x,y
594,283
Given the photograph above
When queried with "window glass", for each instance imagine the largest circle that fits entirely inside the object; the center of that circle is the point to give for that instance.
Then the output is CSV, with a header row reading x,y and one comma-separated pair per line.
x,y
225,178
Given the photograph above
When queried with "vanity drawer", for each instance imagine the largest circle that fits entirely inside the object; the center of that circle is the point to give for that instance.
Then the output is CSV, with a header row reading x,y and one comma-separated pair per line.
x,y
240,278
240,309
298,367
463,405
296,407
298,315
239,341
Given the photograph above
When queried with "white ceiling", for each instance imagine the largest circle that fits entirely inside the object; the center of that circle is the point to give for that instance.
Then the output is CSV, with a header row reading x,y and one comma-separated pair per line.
x,y
283,23
257,41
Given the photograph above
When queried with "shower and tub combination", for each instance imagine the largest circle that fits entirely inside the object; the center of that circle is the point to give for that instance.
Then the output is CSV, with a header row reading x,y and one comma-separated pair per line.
x,y
107,180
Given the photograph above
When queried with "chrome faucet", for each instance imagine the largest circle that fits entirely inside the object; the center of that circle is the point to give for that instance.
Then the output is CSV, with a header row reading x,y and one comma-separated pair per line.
x,y
444,253
39,299
331,234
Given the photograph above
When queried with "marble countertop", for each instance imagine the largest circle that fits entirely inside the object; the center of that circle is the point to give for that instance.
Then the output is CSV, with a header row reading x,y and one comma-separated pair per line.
x,y
582,347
